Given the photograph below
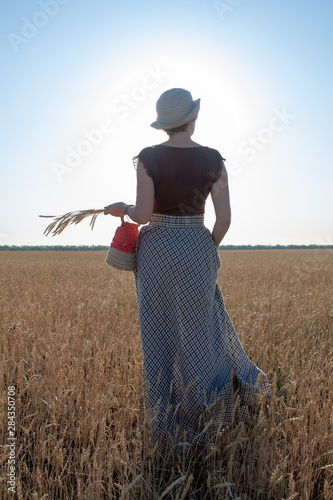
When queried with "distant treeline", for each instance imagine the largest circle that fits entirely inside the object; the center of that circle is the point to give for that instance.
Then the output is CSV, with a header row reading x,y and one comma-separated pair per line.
x,y
62,248
275,247
74,248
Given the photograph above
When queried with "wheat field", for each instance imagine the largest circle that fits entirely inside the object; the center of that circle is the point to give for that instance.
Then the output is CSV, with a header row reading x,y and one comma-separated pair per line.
x,y
71,361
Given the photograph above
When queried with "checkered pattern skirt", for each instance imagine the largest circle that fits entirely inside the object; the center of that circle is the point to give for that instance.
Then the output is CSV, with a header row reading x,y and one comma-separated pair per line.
x,y
193,361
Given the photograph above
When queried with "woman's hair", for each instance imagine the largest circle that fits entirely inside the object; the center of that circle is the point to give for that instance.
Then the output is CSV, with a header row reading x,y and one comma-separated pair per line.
x,y
182,128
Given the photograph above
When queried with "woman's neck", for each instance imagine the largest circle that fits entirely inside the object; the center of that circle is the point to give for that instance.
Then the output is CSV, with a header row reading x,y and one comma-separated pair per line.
x,y
180,140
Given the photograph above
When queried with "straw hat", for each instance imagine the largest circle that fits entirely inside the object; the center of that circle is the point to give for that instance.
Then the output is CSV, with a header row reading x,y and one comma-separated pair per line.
x,y
174,108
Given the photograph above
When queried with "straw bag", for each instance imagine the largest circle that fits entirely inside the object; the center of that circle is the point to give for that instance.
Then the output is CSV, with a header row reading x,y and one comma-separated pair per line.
x,y
120,254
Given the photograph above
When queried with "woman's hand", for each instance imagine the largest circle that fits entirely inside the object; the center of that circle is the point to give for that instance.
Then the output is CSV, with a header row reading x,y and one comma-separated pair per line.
x,y
115,209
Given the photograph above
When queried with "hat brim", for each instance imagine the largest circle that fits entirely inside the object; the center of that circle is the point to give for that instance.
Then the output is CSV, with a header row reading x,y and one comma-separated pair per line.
x,y
167,126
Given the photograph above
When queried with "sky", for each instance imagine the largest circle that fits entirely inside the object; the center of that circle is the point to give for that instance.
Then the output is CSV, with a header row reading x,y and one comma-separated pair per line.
x,y
78,92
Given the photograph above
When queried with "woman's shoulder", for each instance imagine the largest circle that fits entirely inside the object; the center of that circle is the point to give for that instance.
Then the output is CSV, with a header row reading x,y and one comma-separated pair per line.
x,y
149,157
148,151
213,161
213,153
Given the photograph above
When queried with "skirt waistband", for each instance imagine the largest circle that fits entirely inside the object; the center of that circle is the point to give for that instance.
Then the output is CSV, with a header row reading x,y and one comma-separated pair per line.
x,y
160,220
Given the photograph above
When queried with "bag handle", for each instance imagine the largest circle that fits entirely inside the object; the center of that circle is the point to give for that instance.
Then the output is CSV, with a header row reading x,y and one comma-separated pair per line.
x,y
123,213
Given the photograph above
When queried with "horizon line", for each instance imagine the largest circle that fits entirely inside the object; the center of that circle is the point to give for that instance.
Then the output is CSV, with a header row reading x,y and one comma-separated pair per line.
x,y
74,247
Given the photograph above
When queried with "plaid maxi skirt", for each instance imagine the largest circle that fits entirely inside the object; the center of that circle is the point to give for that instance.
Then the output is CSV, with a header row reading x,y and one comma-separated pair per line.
x,y
193,362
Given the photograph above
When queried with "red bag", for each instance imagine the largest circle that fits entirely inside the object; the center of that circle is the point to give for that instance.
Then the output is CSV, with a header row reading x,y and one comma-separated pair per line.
x,y
120,254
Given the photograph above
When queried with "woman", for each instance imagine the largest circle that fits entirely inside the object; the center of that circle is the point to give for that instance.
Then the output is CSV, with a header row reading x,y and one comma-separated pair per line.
x,y
193,361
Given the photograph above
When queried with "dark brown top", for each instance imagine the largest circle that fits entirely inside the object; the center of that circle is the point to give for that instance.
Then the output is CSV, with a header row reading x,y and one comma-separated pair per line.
x,y
183,177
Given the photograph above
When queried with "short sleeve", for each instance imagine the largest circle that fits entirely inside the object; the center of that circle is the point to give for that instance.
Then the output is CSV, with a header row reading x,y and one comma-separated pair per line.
x,y
149,158
215,165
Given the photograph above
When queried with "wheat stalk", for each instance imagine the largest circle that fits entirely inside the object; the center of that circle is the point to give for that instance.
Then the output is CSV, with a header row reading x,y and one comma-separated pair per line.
x,y
62,221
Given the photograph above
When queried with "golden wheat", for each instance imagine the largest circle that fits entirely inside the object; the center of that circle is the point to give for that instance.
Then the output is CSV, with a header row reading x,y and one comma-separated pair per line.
x,y
71,346
60,222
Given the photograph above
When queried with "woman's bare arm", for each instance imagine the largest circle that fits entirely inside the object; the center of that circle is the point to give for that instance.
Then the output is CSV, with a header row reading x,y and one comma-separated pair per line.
x,y
221,202
143,209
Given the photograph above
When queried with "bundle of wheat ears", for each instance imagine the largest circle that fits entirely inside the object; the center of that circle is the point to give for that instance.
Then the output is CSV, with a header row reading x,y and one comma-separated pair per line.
x,y
62,221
